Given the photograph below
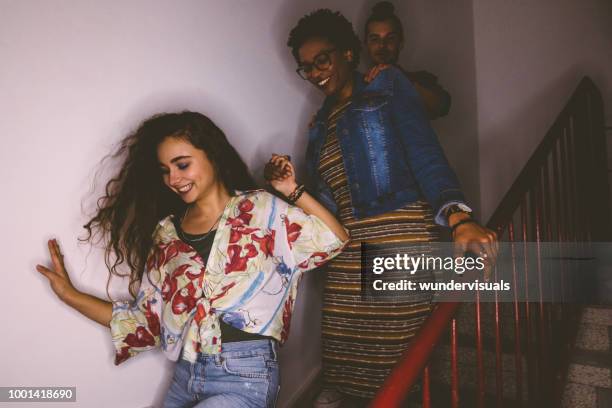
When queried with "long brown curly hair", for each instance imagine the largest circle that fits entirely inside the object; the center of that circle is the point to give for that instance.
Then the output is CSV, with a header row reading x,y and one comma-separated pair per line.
x,y
136,198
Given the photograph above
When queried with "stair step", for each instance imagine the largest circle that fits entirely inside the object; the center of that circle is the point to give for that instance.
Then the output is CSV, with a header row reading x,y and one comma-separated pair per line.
x,y
593,337
579,396
468,370
589,375
441,398
597,315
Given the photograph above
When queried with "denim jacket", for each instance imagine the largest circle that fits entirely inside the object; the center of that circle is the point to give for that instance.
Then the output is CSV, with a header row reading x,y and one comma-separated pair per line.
x,y
390,152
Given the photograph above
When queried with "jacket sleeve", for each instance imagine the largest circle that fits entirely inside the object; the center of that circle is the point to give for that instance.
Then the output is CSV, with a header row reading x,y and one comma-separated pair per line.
x,y
135,325
437,180
310,241
430,82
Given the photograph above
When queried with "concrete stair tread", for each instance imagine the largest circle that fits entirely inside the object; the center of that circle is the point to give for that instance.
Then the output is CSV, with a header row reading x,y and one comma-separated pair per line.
x,y
590,375
579,396
593,336
598,314
585,396
441,396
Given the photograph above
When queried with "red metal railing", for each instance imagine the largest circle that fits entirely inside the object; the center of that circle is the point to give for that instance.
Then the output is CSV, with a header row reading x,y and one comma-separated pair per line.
x,y
561,195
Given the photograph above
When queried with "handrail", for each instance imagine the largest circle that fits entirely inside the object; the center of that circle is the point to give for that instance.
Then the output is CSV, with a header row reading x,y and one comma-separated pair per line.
x,y
578,183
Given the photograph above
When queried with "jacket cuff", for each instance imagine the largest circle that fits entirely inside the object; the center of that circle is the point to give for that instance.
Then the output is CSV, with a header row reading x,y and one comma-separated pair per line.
x,y
445,198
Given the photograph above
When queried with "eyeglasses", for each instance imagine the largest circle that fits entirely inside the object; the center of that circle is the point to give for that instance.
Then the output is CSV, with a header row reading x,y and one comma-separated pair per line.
x,y
322,62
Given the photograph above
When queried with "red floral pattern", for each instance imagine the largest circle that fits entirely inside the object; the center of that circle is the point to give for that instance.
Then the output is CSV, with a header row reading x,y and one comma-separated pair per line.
x,y
317,259
246,205
141,338
238,262
184,300
122,355
266,243
169,287
238,232
200,314
287,310
188,292
152,319
174,248
293,231
223,292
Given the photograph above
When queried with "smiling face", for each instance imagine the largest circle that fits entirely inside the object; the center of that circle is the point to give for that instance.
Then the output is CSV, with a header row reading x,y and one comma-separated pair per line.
x,y
186,169
328,68
384,42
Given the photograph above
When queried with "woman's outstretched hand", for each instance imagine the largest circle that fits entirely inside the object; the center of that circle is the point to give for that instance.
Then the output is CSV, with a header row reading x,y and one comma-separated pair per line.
x,y
280,173
92,307
57,276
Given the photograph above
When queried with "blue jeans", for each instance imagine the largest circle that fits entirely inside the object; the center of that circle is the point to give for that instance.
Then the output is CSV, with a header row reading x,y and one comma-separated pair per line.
x,y
245,374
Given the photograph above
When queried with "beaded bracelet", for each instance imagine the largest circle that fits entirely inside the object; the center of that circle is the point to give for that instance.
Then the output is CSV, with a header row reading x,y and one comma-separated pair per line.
x,y
297,193
464,221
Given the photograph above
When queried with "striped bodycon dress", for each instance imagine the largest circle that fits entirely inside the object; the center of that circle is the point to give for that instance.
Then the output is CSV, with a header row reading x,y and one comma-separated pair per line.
x,y
363,339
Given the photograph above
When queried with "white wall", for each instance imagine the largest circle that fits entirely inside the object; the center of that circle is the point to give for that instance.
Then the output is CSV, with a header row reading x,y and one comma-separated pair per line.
x,y
440,39
530,56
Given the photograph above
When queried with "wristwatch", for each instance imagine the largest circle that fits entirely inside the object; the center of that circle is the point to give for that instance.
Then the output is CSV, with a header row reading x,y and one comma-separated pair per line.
x,y
455,208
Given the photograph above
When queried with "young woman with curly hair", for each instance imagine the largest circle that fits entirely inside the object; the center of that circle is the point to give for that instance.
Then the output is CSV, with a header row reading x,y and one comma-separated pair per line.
x,y
214,282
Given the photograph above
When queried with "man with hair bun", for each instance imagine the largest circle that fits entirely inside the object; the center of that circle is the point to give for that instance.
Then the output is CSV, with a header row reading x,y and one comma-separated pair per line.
x,y
384,39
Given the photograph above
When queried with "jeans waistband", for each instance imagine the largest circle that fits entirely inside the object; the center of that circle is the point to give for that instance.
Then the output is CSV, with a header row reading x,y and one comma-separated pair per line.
x,y
266,347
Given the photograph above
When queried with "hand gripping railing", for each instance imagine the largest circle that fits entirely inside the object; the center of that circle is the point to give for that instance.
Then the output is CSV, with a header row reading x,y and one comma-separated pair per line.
x,y
561,195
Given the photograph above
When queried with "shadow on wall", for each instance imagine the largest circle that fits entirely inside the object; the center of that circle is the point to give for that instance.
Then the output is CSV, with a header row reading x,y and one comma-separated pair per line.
x,y
506,138
287,16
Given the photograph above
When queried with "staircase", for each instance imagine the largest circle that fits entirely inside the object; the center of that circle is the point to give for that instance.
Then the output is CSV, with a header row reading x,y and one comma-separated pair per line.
x,y
589,378
467,346
541,353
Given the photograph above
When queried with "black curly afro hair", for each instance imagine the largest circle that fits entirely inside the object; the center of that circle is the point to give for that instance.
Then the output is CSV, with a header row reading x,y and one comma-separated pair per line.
x,y
329,25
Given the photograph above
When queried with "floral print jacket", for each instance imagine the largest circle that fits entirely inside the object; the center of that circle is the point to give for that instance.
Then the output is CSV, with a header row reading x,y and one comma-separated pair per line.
x,y
259,252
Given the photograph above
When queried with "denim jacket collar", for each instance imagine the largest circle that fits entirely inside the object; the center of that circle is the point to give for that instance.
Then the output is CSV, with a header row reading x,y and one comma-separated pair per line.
x,y
381,84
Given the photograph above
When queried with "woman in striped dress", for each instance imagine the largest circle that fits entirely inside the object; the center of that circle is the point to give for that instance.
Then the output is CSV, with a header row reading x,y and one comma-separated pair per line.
x,y
372,158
